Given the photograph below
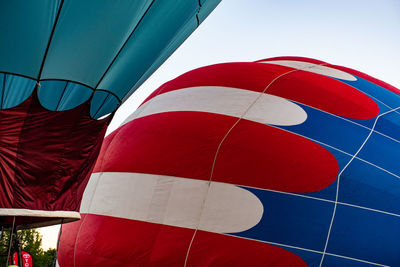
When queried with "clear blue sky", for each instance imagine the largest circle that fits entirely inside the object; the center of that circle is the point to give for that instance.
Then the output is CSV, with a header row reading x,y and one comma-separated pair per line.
x,y
360,34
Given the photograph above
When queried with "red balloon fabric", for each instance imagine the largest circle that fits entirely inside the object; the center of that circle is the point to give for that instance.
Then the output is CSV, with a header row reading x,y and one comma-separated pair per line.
x,y
281,162
46,159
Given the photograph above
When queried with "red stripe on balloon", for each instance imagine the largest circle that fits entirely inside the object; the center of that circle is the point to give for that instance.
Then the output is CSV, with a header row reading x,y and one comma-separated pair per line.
x,y
325,93
309,88
99,244
179,144
345,69
262,156
104,148
367,77
244,75
184,144
211,249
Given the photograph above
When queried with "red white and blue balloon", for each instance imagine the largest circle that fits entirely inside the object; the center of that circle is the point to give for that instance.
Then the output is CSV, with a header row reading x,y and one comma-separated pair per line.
x,y
281,162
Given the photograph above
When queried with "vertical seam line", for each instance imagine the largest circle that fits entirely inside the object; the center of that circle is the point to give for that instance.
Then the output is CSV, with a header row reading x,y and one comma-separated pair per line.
x,y
62,95
49,42
122,47
223,139
2,92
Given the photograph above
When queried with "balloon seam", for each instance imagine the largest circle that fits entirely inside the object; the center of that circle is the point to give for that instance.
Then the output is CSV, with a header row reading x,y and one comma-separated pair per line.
x,y
338,182
50,39
123,45
216,155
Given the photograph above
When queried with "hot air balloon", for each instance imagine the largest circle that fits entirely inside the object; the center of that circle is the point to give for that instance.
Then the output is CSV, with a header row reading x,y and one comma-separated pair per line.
x,y
286,161
64,66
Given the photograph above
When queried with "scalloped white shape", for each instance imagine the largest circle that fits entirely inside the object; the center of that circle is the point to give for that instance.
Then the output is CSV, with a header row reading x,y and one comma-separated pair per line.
x,y
315,68
189,203
240,103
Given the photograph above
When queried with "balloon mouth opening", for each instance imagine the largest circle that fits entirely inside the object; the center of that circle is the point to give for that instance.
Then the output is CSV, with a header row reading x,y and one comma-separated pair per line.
x,y
56,95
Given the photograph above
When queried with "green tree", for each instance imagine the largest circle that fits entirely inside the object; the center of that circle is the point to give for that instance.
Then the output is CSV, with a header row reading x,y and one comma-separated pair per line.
x,y
4,239
31,242
48,257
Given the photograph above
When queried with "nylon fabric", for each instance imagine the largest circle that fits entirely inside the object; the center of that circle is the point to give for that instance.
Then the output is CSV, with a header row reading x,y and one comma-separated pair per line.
x,y
27,26
165,243
93,30
329,184
145,46
57,95
109,45
14,90
183,34
103,103
46,164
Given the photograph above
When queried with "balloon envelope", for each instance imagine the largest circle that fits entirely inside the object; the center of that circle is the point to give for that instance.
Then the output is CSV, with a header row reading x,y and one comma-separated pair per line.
x,y
64,66
282,162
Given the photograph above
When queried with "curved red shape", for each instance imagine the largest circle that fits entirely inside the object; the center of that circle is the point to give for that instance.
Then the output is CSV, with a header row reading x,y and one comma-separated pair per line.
x,y
104,148
98,243
95,240
325,93
211,249
345,69
265,157
245,75
184,144
179,144
318,91
367,77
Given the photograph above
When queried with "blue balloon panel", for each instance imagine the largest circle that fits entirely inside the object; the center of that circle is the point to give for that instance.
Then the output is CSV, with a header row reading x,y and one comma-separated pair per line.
x,y
381,151
386,123
357,216
365,185
103,103
301,224
112,46
360,233
14,90
25,27
87,37
287,219
145,46
376,92
183,34
339,133
58,95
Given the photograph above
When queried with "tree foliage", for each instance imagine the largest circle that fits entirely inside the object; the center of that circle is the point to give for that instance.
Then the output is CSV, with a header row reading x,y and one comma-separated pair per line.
x,y
31,242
